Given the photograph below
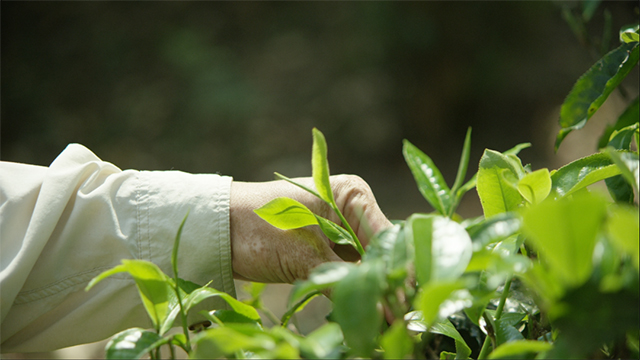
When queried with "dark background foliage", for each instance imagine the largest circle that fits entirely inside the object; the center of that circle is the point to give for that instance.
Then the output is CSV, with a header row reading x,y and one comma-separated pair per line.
x,y
235,87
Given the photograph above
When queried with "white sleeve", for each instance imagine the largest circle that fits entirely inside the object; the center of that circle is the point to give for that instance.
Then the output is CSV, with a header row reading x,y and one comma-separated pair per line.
x,y
61,226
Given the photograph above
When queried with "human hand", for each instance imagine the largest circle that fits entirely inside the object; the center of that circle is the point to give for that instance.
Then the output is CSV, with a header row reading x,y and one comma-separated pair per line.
x,y
263,253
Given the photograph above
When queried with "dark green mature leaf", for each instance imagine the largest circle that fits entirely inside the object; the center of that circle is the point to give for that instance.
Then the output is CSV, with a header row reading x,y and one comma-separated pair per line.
x,y
133,343
582,172
496,191
355,307
506,332
323,276
564,232
629,117
516,349
428,178
320,167
446,328
442,247
593,88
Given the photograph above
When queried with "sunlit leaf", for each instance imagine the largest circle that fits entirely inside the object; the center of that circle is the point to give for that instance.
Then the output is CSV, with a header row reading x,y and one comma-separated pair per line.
x,y
494,229
564,232
133,343
442,247
320,167
432,296
228,340
583,172
496,194
594,87
629,117
628,165
535,186
464,163
206,292
176,245
428,178
623,228
323,276
285,213
323,342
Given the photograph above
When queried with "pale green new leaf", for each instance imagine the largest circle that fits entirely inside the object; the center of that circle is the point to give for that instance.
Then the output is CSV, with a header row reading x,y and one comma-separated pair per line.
x,y
396,342
624,231
432,296
320,167
535,186
206,292
629,34
323,276
627,164
564,232
285,213
464,163
497,194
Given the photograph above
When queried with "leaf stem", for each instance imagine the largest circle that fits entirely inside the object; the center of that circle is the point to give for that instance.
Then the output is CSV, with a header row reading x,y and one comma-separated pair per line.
x,y
503,299
349,229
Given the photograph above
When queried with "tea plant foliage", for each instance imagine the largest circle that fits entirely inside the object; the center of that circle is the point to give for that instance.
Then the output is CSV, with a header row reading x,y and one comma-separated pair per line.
x,y
551,269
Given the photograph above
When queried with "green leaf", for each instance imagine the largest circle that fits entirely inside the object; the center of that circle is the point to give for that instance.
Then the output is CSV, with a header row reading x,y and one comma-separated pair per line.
x,y
618,187
442,247
535,187
428,178
396,342
285,213
629,34
228,340
517,348
496,193
231,316
506,332
464,163
564,232
355,307
133,343
446,328
629,117
206,292
297,307
303,187
516,149
176,245
391,247
593,88
323,276
335,232
628,165
432,296
623,230
494,229
320,167
581,173
323,342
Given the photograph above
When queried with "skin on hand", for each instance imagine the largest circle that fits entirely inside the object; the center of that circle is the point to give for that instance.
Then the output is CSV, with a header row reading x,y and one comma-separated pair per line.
x,y
263,253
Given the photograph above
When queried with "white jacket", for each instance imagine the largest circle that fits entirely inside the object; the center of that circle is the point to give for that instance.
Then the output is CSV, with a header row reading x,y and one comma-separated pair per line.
x,y
62,225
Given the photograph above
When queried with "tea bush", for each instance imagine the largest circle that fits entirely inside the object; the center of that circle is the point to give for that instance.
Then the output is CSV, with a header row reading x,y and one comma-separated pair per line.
x,y
549,271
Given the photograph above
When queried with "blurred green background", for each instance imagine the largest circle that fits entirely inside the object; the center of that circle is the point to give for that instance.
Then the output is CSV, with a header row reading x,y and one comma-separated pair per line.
x,y
235,87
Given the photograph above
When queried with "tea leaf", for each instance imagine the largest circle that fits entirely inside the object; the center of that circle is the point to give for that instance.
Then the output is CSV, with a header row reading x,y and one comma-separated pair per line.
x,y
442,247
428,178
396,343
432,296
323,342
355,307
594,87
446,328
285,213
206,292
176,245
506,332
226,341
320,167
535,187
517,348
629,117
335,232
623,229
464,162
133,343
323,276
494,229
564,232
496,194
581,173
627,164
